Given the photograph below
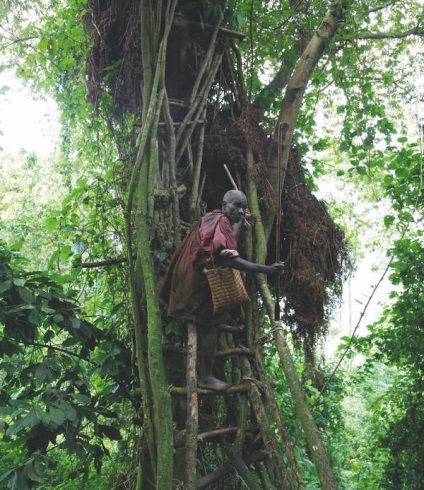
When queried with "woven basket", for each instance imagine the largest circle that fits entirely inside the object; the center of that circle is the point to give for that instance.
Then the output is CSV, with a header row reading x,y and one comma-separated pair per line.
x,y
227,288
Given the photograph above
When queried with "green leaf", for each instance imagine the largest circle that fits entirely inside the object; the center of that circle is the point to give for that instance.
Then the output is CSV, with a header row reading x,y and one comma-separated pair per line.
x,y
83,399
80,247
18,482
344,146
4,475
6,411
42,45
42,373
56,415
65,252
34,317
53,259
75,323
52,47
70,341
26,295
69,411
30,472
29,420
58,318
51,224
110,432
5,286
19,403
388,220
42,415
19,282
48,335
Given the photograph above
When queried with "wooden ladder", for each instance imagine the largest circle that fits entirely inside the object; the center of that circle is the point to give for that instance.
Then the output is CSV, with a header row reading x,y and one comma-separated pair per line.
x,y
246,433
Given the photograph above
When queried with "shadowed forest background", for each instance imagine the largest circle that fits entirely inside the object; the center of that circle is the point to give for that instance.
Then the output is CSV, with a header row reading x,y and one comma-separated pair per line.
x,y
97,385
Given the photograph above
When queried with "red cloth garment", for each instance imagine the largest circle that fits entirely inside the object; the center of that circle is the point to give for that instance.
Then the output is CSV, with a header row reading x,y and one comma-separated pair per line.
x,y
186,289
216,233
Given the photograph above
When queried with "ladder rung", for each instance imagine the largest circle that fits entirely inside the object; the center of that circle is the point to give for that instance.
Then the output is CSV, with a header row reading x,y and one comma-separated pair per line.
x,y
242,351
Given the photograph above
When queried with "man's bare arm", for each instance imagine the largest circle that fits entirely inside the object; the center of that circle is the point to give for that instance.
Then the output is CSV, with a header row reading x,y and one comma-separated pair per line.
x,y
247,266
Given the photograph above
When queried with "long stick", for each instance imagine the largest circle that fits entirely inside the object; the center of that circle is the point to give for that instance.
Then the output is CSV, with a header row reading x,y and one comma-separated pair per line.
x,y
231,177
278,219
192,424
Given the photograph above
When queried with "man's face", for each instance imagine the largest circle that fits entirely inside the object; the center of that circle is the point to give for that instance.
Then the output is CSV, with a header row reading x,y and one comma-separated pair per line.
x,y
234,207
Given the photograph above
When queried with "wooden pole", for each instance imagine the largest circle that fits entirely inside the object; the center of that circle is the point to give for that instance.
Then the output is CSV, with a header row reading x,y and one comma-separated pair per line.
x,y
230,177
278,220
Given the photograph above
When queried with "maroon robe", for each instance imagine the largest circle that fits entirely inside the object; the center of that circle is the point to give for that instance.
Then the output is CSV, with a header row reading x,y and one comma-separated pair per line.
x,y
186,289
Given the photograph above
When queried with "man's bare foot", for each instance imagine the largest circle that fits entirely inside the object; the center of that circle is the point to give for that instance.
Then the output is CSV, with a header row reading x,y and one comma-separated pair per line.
x,y
212,383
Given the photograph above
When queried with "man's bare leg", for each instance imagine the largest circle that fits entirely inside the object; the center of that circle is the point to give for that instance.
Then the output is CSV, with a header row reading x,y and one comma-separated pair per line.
x,y
209,341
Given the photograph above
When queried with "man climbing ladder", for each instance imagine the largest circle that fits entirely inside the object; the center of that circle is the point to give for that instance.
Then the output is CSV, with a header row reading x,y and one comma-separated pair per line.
x,y
186,289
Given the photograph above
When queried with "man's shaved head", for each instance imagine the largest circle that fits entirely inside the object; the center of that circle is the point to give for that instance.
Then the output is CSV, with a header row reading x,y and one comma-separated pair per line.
x,y
233,195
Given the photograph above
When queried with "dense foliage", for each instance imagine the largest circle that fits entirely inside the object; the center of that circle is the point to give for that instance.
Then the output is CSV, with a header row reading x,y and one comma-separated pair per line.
x,y
69,381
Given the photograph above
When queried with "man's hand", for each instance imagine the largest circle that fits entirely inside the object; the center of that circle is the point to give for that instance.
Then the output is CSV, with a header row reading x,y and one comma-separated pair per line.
x,y
276,268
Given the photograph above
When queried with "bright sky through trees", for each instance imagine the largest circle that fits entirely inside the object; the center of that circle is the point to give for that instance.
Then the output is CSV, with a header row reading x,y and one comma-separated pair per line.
x,y
26,123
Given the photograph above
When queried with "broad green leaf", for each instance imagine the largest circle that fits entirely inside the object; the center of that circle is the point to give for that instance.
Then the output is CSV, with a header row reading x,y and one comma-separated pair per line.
x,y
19,282
5,286
388,221
65,252
80,398
75,323
42,44
34,317
30,472
26,295
28,420
69,411
6,411
110,432
42,373
6,474
18,482
80,247
58,318
56,415
42,415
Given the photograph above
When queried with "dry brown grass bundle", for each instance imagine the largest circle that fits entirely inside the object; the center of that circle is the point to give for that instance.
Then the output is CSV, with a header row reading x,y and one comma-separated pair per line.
x,y
114,61
316,255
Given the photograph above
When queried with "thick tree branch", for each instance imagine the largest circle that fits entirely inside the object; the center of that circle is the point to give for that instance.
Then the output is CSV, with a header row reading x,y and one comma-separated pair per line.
x,y
415,31
270,91
284,129
295,91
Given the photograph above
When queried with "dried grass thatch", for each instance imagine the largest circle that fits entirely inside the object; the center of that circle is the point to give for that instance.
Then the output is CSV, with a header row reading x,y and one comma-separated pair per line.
x,y
312,245
316,255
114,62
